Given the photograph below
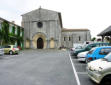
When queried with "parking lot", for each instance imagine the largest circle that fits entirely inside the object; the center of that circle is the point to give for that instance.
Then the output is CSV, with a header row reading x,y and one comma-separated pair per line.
x,y
37,67
81,72
42,67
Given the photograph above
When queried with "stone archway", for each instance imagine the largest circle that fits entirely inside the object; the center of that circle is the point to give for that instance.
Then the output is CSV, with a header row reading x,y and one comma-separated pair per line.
x,y
40,43
37,38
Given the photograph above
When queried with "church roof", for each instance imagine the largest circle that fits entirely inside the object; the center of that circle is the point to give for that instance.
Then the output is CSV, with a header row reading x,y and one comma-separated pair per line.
x,y
37,10
71,30
44,15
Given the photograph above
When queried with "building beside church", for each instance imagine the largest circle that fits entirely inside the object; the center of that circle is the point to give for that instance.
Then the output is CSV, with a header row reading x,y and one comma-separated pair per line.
x,y
11,34
43,29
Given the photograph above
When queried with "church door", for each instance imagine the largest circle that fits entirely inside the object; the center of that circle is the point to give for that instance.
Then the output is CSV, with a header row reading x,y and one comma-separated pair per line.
x,y
40,43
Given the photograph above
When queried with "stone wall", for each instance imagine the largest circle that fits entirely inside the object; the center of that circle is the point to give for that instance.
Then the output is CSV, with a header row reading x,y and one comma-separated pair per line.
x,y
51,26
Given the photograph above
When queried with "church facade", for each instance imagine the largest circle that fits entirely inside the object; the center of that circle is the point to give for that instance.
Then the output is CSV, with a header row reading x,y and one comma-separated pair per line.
x,y
43,29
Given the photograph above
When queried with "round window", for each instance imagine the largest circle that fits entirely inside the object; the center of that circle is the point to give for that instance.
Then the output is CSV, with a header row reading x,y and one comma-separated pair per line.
x,y
39,24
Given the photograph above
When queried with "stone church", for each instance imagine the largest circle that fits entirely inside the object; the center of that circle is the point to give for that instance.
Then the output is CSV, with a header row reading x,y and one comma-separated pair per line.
x,y
43,29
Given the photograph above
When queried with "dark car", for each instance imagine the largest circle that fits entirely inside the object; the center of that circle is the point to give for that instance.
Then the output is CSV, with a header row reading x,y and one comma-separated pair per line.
x,y
89,47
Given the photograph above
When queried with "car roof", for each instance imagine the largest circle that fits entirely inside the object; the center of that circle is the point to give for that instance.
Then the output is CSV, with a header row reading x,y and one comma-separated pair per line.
x,y
11,45
104,47
99,43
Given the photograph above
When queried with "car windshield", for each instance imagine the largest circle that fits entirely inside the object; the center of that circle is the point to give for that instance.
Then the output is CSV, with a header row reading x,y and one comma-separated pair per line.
x,y
91,51
108,57
15,46
78,47
84,46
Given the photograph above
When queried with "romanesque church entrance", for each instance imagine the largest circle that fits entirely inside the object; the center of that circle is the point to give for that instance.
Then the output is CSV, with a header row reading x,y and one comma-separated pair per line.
x,y
40,43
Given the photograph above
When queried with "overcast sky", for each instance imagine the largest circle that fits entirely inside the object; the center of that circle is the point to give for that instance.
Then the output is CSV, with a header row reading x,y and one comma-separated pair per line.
x,y
92,14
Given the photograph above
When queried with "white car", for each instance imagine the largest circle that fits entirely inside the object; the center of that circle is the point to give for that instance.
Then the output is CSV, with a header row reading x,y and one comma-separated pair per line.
x,y
100,70
82,56
1,51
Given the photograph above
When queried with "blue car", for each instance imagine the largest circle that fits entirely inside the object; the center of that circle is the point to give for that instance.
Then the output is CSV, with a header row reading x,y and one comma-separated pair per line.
x,y
97,53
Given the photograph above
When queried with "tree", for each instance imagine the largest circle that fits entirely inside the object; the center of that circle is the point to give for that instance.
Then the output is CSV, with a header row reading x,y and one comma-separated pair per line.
x,y
1,36
108,39
93,39
5,32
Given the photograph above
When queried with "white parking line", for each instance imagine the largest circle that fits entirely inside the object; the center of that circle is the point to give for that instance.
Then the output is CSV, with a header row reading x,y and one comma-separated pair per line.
x,y
74,70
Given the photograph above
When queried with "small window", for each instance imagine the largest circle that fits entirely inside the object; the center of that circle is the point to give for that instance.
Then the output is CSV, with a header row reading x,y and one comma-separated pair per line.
x,y
10,28
15,30
21,33
64,38
69,38
79,38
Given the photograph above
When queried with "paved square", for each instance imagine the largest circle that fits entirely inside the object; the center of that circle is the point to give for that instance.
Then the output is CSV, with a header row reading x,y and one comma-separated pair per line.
x,y
37,67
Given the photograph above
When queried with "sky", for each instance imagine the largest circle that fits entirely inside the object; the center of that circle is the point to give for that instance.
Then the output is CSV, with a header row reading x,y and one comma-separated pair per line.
x,y
94,15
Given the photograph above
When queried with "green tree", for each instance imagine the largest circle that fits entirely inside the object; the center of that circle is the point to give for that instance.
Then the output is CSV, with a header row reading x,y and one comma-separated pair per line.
x,y
5,32
93,39
1,36
108,39
18,36
13,30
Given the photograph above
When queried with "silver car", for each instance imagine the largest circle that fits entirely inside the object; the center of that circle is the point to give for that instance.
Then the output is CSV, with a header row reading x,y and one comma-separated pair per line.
x,y
100,70
1,50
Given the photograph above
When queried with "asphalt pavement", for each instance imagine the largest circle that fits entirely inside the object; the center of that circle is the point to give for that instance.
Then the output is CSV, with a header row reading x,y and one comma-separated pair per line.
x,y
37,67
81,72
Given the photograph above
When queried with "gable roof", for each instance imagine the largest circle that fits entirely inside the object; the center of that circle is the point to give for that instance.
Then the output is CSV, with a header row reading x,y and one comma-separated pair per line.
x,y
44,15
37,10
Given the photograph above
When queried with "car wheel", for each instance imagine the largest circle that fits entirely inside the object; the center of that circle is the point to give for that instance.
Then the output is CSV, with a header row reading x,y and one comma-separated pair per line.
x,y
106,81
10,52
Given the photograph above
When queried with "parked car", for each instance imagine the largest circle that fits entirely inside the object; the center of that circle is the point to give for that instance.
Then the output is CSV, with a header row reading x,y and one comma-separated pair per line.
x,y
11,49
82,56
100,70
97,53
89,47
88,42
1,50
74,49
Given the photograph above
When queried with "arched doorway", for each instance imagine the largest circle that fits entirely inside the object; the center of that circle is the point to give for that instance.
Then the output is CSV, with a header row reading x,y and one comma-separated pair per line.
x,y
40,43
36,41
